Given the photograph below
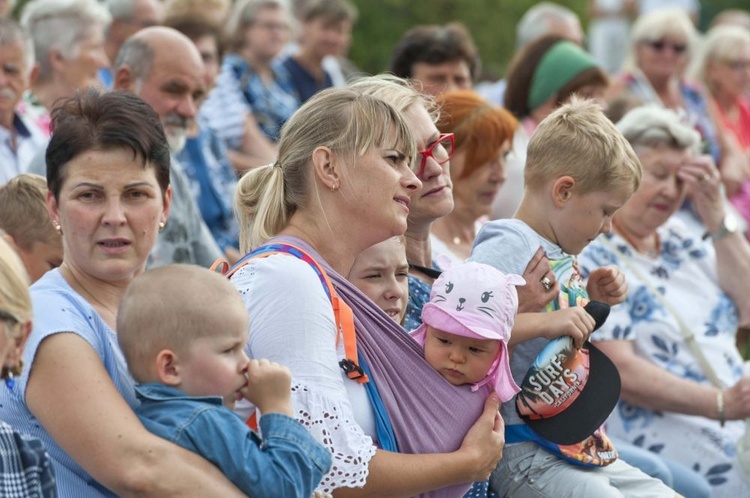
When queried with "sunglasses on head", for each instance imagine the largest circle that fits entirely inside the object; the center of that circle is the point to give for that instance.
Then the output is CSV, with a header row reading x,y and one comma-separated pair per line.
x,y
660,45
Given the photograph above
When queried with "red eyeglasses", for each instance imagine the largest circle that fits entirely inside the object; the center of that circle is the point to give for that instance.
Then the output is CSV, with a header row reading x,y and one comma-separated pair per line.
x,y
441,150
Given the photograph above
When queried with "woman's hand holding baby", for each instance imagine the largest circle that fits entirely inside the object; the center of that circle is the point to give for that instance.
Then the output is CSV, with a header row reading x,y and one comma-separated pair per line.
x,y
483,444
268,387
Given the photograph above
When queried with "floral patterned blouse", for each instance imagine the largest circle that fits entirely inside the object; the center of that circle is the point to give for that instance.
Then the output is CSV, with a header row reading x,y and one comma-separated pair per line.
x,y
685,274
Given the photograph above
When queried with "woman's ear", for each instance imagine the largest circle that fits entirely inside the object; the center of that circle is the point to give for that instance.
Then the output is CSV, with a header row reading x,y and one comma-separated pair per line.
x,y
326,168
167,204
52,208
168,368
562,190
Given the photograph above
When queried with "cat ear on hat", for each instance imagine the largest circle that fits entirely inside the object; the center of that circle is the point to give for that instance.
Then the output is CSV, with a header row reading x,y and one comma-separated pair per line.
x,y
516,280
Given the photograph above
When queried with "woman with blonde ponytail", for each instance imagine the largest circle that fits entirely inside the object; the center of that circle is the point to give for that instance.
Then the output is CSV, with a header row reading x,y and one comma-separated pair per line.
x,y
344,181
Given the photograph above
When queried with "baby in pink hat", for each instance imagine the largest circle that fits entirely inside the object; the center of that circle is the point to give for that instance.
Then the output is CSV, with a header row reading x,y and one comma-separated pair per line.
x,y
466,326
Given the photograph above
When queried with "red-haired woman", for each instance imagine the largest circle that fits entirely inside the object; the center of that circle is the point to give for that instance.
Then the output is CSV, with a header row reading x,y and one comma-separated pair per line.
x,y
483,136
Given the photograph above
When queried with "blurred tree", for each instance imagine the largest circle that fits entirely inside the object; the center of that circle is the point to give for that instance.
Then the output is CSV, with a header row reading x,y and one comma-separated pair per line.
x,y
492,23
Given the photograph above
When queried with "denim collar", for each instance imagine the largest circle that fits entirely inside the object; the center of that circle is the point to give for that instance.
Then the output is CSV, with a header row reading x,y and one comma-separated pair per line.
x,y
155,391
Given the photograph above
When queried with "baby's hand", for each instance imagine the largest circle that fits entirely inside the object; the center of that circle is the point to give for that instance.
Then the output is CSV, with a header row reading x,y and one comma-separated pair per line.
x,y
607,284
268,387
574,322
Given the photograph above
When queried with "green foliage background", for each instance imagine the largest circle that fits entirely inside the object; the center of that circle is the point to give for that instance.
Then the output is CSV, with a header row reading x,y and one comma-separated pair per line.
x,y
491,23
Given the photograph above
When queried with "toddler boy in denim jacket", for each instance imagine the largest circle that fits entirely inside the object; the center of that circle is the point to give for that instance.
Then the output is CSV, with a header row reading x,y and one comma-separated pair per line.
x,y
182,330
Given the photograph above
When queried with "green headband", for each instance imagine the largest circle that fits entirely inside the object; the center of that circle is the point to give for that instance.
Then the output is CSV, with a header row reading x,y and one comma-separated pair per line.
x,y
563,62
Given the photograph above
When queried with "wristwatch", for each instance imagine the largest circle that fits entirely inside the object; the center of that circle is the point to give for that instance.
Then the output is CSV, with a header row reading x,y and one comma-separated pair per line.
x,y
728,227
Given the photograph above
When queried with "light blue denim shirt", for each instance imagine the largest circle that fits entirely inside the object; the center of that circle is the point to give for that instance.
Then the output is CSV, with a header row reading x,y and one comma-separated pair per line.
x,y
286,462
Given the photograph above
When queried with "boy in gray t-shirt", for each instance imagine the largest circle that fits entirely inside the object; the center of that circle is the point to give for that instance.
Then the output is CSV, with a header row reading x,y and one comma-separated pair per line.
x,y
579,172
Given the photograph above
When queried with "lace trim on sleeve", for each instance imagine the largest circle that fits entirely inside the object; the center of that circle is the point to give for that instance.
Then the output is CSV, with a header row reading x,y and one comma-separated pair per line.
x,y
331,424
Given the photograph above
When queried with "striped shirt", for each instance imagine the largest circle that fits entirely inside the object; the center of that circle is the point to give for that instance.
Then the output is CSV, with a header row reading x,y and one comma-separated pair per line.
x,y
59,309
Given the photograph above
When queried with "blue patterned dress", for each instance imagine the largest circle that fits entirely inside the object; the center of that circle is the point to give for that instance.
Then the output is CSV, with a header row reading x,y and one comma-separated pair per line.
x,y
685,274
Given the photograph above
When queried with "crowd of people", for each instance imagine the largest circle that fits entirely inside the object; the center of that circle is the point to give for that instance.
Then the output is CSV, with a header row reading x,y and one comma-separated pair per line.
x,y
231,264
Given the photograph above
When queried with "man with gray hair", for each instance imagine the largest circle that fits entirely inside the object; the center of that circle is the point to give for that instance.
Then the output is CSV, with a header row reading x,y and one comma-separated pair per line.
x,y
20,139
128,17
68,38
164,68
547,18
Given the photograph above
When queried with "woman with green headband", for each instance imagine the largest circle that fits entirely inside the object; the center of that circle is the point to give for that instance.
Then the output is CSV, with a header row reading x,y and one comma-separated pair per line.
x,y
540,78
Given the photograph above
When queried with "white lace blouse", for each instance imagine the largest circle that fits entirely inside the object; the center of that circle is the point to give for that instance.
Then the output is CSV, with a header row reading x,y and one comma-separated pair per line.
x,y
292,323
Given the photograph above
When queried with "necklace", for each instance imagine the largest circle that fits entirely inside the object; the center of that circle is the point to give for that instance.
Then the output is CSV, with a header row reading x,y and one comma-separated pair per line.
x,y
88,292
430,272
651,253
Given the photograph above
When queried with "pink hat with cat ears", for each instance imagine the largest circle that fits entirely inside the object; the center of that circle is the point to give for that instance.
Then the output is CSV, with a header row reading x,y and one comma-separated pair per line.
x,y
477,301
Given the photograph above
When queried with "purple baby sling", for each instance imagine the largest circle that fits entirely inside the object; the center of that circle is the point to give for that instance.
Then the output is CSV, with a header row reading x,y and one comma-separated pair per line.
x,y
428,414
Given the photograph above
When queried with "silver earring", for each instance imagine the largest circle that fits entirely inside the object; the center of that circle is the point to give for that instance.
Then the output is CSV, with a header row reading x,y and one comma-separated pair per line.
x,y
162,226
58,228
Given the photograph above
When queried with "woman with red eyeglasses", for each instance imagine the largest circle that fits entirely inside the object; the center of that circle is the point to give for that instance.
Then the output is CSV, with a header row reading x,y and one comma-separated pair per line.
x,y
432,167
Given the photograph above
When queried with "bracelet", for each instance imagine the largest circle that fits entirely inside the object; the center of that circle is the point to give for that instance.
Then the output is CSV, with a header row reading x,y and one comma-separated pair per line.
x,y
720,406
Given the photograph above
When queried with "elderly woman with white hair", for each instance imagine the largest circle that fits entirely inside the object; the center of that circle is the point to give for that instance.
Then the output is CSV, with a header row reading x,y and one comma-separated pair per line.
x,y
723,66
68,38
661,44
684,392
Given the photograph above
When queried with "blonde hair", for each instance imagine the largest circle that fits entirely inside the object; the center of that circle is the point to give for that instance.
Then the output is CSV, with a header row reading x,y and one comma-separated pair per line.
x,y
579,141
169,308
15,300
721,44
398,92
23,211
347,122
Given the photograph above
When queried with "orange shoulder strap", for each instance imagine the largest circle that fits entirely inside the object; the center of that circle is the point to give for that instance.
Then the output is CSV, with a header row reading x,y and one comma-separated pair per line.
x,y
342,312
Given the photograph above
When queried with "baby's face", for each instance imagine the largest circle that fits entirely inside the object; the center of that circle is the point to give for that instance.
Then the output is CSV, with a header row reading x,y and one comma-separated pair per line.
x,y
460,360
381,272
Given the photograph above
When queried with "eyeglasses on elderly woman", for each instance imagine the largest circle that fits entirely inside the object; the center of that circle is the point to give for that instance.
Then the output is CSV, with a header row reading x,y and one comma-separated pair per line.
x,y
441,150
661,45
